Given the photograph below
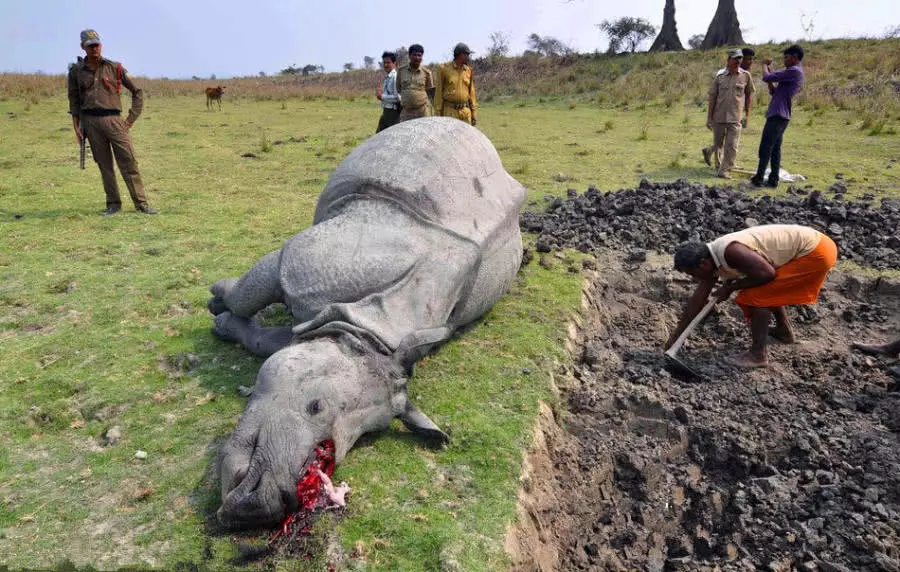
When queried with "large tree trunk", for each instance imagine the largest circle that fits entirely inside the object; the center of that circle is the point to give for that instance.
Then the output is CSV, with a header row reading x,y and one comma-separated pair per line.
x,y
667,40
724,30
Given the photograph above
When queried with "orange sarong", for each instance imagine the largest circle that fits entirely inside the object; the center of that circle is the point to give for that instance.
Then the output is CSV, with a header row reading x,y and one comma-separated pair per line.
x,y
797,282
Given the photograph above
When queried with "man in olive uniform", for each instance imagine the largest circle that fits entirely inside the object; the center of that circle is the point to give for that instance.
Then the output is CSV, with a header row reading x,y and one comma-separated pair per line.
x,y
454,94
415,85
94,86
746,64
730,100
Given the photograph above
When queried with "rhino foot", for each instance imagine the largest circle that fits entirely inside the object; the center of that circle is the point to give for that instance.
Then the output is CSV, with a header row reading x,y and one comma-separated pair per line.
x,y
229,327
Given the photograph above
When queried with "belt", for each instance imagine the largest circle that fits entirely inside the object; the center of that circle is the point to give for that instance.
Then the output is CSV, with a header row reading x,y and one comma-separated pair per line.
x,y
456,105
100,112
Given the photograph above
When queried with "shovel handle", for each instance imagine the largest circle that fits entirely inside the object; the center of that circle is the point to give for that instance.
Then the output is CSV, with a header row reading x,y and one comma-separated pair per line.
x,y
690,327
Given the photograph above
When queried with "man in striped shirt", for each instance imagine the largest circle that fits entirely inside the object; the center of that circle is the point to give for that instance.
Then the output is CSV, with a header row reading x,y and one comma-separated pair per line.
x,y
387,93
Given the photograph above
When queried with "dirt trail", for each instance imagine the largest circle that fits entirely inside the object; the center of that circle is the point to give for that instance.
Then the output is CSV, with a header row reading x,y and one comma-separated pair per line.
x,y
796,467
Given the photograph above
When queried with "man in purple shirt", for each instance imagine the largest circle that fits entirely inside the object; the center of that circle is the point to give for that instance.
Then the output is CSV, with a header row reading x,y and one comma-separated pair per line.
x,y
787,83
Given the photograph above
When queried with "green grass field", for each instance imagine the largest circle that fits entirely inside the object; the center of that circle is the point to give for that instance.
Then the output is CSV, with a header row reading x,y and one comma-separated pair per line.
x,y
103,322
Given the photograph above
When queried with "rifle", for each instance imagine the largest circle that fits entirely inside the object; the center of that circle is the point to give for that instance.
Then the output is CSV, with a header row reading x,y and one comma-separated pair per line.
x,y
83,137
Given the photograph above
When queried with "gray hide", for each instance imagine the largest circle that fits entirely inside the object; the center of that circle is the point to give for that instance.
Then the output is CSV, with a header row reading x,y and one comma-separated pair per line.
x,y
415,235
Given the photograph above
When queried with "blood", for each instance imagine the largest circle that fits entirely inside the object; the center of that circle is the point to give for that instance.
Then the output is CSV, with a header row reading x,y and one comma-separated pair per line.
x,y
310,493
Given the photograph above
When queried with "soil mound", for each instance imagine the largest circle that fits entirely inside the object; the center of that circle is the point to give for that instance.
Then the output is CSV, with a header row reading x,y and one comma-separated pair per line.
x,y
659,216
796,467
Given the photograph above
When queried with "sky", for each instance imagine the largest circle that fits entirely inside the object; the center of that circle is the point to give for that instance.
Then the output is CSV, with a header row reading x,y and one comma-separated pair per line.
x,y
230,38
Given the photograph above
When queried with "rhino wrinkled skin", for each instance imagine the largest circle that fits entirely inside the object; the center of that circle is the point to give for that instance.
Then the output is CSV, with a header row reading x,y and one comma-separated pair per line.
x,y
415,235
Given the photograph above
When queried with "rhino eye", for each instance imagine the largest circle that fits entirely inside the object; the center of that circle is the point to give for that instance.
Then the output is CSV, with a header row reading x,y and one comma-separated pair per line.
x,y
313,408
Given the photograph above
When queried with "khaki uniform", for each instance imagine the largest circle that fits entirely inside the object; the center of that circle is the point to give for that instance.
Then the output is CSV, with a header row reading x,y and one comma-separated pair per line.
x,y
727,94
413,85
94,97
454,94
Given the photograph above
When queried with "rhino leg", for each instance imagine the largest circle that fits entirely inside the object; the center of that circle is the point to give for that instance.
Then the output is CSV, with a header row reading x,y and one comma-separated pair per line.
x,y
247,295
259,341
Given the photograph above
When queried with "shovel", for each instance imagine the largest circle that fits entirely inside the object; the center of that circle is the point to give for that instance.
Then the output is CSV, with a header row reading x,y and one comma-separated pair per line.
x,y
674,364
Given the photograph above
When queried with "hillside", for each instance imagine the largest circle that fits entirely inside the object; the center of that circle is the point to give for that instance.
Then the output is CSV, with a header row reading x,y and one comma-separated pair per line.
x,y
840,73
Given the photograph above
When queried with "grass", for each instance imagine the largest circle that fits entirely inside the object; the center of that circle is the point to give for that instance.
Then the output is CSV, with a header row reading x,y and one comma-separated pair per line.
x,y
103,320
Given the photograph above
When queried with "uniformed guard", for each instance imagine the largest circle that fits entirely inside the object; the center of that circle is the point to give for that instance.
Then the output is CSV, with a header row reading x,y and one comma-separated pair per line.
x,y
454,94
416,85
94,85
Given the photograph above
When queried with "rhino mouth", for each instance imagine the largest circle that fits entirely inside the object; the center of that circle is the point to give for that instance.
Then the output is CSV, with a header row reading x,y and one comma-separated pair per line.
x,y
259,482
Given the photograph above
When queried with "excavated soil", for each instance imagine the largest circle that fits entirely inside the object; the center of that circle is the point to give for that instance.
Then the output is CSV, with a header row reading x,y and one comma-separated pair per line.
x,y
658,216
794,467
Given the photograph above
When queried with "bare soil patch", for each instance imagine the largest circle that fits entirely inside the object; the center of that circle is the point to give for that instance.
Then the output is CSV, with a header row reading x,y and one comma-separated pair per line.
x,y
795,467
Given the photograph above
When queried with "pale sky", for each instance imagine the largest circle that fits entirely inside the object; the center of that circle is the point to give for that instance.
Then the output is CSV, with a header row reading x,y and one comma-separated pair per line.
x,y
181,38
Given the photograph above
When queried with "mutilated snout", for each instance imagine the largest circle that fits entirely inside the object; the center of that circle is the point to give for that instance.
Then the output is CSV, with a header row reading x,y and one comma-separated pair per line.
x,y
259,469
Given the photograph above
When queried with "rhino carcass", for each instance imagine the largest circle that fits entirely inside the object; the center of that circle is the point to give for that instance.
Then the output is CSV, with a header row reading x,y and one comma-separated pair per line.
x,y
415,235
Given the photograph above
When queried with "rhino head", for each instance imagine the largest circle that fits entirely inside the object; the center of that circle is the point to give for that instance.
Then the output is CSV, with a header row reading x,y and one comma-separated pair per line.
x,y
325,388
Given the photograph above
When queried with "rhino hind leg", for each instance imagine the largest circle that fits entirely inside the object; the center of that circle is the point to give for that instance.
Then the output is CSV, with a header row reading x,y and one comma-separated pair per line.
x,y
252,292
261,342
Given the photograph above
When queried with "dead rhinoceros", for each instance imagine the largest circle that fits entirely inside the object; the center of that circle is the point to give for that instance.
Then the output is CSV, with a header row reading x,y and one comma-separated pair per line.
x,y
415,235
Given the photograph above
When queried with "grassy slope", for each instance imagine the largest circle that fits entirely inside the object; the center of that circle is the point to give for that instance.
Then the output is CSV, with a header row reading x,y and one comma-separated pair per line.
x,y
95,312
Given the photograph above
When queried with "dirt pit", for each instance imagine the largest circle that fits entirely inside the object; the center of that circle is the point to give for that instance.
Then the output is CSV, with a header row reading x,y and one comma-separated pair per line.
x,y
795,467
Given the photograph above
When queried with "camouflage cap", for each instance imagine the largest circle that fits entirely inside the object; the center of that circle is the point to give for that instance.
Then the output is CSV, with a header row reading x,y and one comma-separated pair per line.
x,y
461,48
735,53
89,37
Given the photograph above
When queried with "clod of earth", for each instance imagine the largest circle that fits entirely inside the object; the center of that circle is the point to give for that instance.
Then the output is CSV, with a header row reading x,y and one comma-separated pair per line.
x,y
439,244
659,216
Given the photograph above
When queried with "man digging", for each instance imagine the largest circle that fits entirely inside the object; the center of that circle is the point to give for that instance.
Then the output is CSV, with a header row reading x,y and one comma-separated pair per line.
x,y
772,266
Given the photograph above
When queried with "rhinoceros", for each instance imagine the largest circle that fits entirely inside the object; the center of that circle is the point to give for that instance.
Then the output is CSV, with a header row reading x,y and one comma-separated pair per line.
x,y
415,235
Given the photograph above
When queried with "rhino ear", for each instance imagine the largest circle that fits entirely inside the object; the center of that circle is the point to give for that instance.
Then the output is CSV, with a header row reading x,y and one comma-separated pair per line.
x,y
414,346
418,422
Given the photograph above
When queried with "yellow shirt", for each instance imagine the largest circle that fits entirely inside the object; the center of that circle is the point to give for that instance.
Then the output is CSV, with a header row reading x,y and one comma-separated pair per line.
x,y
727,92
412,85
455,85
777,243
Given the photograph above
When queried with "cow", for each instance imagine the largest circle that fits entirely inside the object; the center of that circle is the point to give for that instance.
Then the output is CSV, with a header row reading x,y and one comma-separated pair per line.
x,y
214,94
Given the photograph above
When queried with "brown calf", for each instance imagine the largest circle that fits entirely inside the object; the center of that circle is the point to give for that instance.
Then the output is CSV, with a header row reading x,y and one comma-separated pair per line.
x,y
214,94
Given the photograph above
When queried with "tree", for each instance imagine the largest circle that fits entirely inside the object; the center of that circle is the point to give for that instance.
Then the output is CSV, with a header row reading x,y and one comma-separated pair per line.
x,y
499,45
548,46
667,40
402,56
629,31
212,76
368,62
348,66
292,70
724,30
696,41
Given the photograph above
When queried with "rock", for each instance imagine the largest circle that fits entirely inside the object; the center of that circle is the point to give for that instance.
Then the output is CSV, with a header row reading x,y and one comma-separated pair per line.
x,y
637,256
750,222
545,262
561,178
245,391
112,436
140,454
885,563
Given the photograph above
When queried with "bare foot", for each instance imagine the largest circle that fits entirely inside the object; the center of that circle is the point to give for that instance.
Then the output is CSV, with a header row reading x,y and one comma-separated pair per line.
x,y
747,360
785,336
877,349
